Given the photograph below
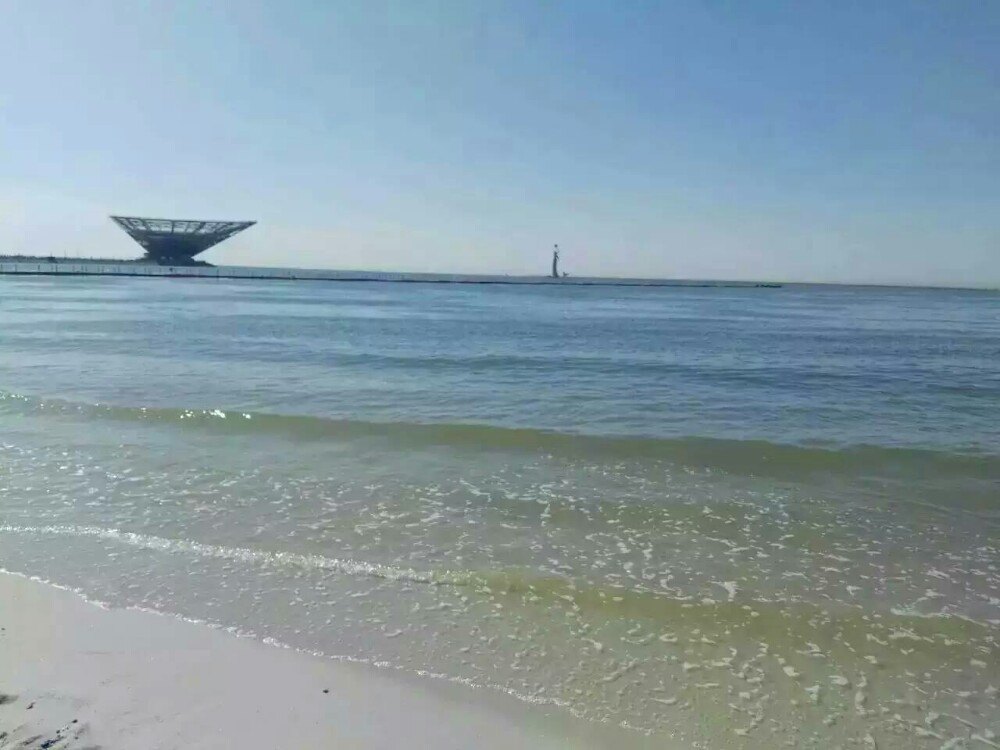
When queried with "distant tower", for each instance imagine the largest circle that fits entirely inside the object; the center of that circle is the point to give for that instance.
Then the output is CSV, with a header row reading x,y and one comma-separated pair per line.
x,y
555,262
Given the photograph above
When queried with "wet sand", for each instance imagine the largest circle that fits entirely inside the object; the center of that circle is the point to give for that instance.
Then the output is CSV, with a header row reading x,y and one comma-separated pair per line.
x,y
76,675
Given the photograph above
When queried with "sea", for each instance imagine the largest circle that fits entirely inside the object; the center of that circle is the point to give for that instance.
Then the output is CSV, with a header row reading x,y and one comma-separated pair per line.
x,y
703,516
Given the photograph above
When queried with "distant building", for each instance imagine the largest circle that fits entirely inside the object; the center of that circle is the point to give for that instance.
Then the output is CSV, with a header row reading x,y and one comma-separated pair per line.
x,y
175,242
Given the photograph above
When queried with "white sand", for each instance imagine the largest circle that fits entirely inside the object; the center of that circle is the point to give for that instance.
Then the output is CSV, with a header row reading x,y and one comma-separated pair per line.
x,y
131,679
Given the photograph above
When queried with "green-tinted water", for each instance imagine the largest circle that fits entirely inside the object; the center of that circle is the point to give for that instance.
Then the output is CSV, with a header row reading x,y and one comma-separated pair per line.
x,y
740,517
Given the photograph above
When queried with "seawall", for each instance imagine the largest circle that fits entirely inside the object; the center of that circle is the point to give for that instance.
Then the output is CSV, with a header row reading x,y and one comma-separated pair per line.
x,y
90,268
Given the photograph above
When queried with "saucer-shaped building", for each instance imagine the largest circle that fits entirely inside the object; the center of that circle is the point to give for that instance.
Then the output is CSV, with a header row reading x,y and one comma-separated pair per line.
x,y
175,242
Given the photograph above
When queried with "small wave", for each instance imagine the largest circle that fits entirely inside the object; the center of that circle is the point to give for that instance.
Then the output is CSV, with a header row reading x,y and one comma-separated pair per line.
x,y
750,457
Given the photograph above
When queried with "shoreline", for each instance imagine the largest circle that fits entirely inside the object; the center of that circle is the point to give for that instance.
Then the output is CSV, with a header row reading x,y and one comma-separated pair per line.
x,y
76,675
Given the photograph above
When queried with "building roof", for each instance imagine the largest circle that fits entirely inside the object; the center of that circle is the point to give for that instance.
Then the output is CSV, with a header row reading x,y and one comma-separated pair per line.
x,y
178,239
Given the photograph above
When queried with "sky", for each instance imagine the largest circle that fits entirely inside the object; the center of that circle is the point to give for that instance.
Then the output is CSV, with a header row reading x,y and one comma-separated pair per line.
x,y
832,141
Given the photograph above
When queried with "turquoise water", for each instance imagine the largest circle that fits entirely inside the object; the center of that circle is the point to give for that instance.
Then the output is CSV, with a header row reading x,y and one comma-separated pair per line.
x,y
714,516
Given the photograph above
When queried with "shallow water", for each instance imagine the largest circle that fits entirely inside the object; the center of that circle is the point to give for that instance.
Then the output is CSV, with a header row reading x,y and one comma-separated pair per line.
x,y
730,517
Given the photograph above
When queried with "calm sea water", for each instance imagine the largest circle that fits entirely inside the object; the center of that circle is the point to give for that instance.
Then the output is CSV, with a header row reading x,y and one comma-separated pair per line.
x,y
717,517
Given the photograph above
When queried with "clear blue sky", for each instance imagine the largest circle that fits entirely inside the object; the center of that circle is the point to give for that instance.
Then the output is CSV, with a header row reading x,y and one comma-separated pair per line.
x,y
828,141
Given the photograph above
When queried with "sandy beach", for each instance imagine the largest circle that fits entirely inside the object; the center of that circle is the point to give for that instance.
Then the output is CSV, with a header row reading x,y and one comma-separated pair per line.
x,y
76,675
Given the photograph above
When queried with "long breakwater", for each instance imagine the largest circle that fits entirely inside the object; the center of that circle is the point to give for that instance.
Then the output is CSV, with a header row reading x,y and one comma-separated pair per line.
x,y
150,270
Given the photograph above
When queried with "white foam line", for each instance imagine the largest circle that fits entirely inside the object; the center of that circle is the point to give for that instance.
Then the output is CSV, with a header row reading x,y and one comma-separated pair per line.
x,y
910,612
244,554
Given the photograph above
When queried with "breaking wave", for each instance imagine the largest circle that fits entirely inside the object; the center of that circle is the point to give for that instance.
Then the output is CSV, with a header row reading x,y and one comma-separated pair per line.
x,y
744,457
